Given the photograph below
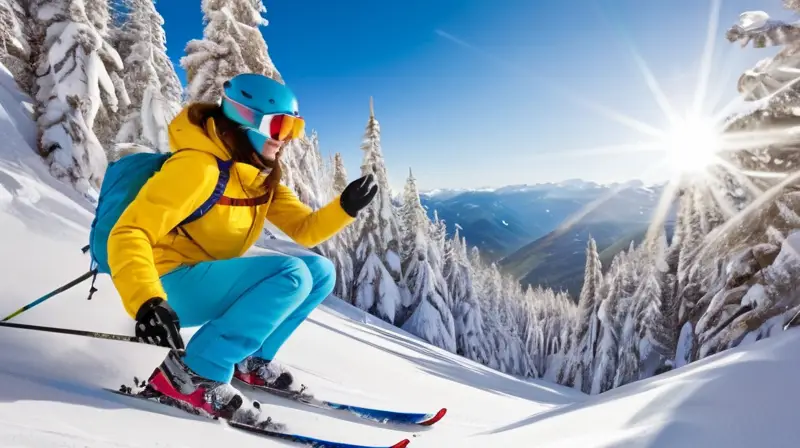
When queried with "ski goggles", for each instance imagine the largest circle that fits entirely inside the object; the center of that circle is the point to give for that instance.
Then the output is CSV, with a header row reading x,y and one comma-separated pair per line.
x,y
278,126
282,127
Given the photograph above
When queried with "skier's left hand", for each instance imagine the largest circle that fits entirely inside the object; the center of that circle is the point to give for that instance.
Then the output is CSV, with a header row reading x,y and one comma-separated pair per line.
x,y
358,194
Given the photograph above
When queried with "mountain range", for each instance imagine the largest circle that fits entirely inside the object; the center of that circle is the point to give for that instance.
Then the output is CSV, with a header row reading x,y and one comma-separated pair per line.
x,y
539,232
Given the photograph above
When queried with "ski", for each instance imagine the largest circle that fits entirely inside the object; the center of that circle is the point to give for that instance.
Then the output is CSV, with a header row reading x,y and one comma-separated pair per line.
x,y
376,415
253,428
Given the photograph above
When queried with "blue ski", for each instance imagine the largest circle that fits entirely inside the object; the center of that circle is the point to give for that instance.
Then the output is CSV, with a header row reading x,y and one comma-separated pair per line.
x,y
376,415
254,429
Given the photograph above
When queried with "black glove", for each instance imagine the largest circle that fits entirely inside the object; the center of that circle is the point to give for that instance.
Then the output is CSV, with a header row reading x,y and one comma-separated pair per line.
x,y
358,194
158,324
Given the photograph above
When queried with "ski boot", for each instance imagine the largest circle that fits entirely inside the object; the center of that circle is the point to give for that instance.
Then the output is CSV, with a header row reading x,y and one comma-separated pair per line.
x,y
256,371
173,381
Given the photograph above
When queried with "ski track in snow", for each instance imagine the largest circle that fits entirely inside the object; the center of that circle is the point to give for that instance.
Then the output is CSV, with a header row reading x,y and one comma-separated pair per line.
x,y
50,384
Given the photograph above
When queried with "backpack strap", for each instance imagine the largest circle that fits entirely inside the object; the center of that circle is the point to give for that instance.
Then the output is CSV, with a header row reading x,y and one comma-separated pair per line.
x,y
222,182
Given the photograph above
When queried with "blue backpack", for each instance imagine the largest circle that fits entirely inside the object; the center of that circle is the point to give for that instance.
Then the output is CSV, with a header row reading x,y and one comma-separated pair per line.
x,y
123,180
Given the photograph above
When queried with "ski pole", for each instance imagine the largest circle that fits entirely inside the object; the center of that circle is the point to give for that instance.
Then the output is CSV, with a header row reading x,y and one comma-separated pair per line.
x,y
90,334
49,295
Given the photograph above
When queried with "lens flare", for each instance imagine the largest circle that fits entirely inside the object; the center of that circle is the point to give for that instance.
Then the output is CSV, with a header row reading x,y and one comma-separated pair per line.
x,y
692,144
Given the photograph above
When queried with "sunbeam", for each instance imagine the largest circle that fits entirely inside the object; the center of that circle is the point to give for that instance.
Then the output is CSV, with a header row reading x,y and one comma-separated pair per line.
x,y
707,58
655,88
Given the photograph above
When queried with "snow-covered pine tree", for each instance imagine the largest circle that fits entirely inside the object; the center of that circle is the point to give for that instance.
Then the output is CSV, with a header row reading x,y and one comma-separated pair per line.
x,y
151,82
232,43
374,163
645,341
690,244
14,36
340,180
770,75
614,301
723,277
378,282
436,254
587,331
107,121
342,254
775,83
305,171
72,82
556,318
431,318
466,311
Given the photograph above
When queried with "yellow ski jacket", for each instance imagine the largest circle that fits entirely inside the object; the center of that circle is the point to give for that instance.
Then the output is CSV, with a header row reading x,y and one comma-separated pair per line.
x,y
145,245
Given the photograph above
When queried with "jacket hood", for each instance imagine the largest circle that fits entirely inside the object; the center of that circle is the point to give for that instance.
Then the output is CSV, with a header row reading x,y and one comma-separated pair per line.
x,y
183,134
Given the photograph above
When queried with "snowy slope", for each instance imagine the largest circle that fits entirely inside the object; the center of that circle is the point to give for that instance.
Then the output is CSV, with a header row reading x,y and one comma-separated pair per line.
x,y
49,383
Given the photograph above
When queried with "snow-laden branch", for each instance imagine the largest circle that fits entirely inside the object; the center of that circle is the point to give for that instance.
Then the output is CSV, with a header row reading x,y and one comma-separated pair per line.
x,y
771,74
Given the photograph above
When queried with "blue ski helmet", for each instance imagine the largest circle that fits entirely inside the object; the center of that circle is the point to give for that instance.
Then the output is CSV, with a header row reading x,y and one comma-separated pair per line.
x,y
265,107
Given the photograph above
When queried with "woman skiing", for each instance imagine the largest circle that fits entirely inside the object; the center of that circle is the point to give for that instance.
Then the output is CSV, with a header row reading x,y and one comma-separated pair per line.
x,y
170,274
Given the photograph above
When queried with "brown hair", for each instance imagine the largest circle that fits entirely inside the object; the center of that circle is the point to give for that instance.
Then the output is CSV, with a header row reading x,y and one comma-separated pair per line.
x,y
236,142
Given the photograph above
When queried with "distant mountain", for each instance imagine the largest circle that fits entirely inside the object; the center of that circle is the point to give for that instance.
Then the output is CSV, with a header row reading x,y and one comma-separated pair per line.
x,y
501,221
557,260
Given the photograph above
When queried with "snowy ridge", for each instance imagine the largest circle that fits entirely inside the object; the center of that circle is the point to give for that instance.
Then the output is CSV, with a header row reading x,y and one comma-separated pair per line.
x,y
569,184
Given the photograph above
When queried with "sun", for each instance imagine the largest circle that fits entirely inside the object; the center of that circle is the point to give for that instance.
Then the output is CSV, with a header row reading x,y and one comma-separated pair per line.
x,y
692,144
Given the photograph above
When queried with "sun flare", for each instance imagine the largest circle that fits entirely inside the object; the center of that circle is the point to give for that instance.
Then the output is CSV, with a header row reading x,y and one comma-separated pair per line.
x,y
692,144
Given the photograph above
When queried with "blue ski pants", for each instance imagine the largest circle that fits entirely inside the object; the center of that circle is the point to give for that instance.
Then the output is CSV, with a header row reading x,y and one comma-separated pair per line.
x,y
246,306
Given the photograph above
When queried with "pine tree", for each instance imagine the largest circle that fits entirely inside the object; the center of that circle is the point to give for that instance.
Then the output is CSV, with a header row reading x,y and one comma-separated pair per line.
x,y
408,217
339,174
689,277
770,75
232,43
150,79
14,36
381,209
107,121
586,334
342,244
71,86
305,171
467,314
431,318
377,254
631,312
437,232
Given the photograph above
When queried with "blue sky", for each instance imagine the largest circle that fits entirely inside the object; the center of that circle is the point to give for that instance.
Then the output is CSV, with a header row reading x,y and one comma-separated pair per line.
x,y
473,93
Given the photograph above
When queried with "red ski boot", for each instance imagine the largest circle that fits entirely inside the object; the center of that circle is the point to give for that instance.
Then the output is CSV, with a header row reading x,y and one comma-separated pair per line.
x,y
176,380
261,372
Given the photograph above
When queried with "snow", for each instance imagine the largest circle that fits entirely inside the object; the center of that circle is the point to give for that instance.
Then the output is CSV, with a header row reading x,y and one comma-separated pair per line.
x,y
50,383
752,20
756,296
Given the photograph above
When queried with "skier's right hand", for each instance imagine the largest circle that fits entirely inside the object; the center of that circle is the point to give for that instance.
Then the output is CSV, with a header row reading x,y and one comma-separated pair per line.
x,y
158,324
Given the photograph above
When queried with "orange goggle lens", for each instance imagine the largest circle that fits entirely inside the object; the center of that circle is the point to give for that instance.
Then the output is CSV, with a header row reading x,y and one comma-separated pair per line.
x,y
282,127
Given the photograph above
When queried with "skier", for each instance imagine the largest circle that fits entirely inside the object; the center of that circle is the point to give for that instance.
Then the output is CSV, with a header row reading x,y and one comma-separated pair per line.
x,y
169,275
